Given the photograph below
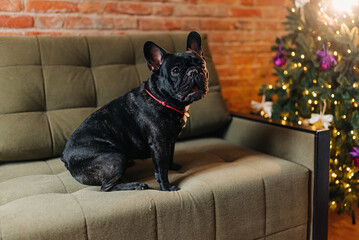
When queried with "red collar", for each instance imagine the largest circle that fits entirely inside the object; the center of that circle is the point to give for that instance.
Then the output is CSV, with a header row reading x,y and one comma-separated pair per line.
x,y
168,106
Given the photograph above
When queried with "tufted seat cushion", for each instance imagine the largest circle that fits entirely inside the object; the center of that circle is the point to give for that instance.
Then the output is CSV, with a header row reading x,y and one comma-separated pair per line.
x,y
230,191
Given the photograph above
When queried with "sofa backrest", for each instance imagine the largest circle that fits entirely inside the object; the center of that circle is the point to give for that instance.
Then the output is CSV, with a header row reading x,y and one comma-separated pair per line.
x,y
49,85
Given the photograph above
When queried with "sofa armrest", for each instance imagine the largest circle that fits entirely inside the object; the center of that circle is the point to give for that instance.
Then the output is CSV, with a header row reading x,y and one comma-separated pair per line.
x,y
307,146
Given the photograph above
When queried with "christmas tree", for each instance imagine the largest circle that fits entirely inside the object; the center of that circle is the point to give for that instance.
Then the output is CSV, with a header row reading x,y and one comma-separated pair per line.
x,y
317,69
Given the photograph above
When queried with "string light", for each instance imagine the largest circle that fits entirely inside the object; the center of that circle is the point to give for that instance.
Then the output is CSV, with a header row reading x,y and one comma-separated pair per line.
x,y
349,51
302,56
293,54
319,38
314,81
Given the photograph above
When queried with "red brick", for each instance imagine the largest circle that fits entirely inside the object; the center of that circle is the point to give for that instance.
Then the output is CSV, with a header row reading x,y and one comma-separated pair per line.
x,y
160,24
190,24
16,22
80,22
271,2
10,5
274,12
217,24
49,22
163,10
92,7
193,10
125,23
51,6
245,12
219,1
128,8
247,2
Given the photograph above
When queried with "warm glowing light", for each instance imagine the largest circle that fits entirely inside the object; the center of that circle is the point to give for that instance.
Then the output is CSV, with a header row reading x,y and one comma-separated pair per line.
x,y
319,38
337,32
334,175
332,95
270,86
315,102
293,54
329,86
299,64
306,92
343,6
314,94
355,85
302,56
284,87
293,10
285,72
305,69
310,101
344,116
335,53
300,122
349,51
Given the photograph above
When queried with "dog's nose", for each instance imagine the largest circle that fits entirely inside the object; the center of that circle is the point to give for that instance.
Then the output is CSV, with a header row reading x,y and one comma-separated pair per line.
x,y
191,71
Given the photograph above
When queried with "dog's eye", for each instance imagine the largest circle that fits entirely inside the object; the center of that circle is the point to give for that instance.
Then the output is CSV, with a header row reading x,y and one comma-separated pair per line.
x,y
175,71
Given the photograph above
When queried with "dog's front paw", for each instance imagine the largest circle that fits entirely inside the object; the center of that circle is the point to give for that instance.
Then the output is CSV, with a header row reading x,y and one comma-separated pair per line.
x,y
173,188
141,186
175,167
169,188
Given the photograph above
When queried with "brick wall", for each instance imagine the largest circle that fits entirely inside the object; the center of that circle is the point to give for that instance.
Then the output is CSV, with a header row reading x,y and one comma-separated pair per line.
x,y
240,32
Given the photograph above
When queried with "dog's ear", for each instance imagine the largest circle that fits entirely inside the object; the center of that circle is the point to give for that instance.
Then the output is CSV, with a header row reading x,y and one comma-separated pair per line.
x,y
154,55
194,43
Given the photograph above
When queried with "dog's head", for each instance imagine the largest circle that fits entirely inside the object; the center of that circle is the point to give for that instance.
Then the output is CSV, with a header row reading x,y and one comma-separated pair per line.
x,y
183,76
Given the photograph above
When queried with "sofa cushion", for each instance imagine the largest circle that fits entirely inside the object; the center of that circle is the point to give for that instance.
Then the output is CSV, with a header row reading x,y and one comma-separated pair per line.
x,y
51,84
228,190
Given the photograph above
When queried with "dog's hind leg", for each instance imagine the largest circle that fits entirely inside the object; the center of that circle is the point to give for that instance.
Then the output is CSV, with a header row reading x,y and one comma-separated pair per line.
x,y
113,166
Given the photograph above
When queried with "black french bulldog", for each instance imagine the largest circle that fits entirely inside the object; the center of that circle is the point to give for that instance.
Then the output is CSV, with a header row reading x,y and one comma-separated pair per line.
x,y
145,122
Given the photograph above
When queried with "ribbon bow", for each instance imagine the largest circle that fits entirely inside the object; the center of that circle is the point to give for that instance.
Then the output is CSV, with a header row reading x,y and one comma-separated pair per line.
x,y
266,106
325,120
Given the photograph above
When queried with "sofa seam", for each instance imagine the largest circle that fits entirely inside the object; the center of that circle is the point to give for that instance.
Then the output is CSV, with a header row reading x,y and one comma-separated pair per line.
x,y
90,67
214,206
134,59
83,214
45,101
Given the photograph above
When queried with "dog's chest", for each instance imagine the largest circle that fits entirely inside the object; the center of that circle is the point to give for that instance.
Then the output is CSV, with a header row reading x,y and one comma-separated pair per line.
x,y
185,117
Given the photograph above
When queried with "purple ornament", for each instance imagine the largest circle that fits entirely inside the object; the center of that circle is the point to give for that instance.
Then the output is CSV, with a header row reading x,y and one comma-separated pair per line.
x,y
326,60
280,59
355,155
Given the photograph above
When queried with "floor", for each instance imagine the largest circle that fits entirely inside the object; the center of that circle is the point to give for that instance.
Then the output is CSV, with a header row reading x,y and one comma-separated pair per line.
x,y
340,227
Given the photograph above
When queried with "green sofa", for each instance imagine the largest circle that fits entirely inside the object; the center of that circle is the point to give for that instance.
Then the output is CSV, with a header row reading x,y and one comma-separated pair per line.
x,y
241,178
